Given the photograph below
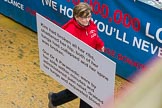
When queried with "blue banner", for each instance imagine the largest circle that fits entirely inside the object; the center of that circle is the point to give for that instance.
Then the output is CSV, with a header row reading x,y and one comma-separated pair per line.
x,y
131,31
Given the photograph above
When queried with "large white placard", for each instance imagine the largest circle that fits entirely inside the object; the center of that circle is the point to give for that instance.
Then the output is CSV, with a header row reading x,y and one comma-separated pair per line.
x,y
80,68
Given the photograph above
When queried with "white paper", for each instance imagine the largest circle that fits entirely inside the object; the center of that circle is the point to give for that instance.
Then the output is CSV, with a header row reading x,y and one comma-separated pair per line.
x,y
80,68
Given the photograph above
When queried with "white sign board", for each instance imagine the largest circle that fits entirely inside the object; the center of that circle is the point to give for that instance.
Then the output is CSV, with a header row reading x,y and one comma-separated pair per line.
x,y
80,68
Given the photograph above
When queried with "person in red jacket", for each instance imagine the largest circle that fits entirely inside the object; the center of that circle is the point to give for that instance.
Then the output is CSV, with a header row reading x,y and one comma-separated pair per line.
x,y
85,30
82,27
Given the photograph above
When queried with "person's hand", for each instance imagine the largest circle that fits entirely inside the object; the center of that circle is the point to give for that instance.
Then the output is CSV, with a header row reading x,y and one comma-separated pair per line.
x,y
103,49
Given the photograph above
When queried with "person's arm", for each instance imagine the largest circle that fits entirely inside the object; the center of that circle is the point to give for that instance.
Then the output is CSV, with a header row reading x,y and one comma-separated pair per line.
x,y
99,44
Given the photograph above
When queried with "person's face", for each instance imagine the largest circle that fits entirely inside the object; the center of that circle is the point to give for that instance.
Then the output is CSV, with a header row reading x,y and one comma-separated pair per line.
x,y
84,21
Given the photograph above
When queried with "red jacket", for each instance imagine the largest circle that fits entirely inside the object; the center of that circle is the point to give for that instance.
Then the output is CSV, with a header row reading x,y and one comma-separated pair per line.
x,y
87,34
